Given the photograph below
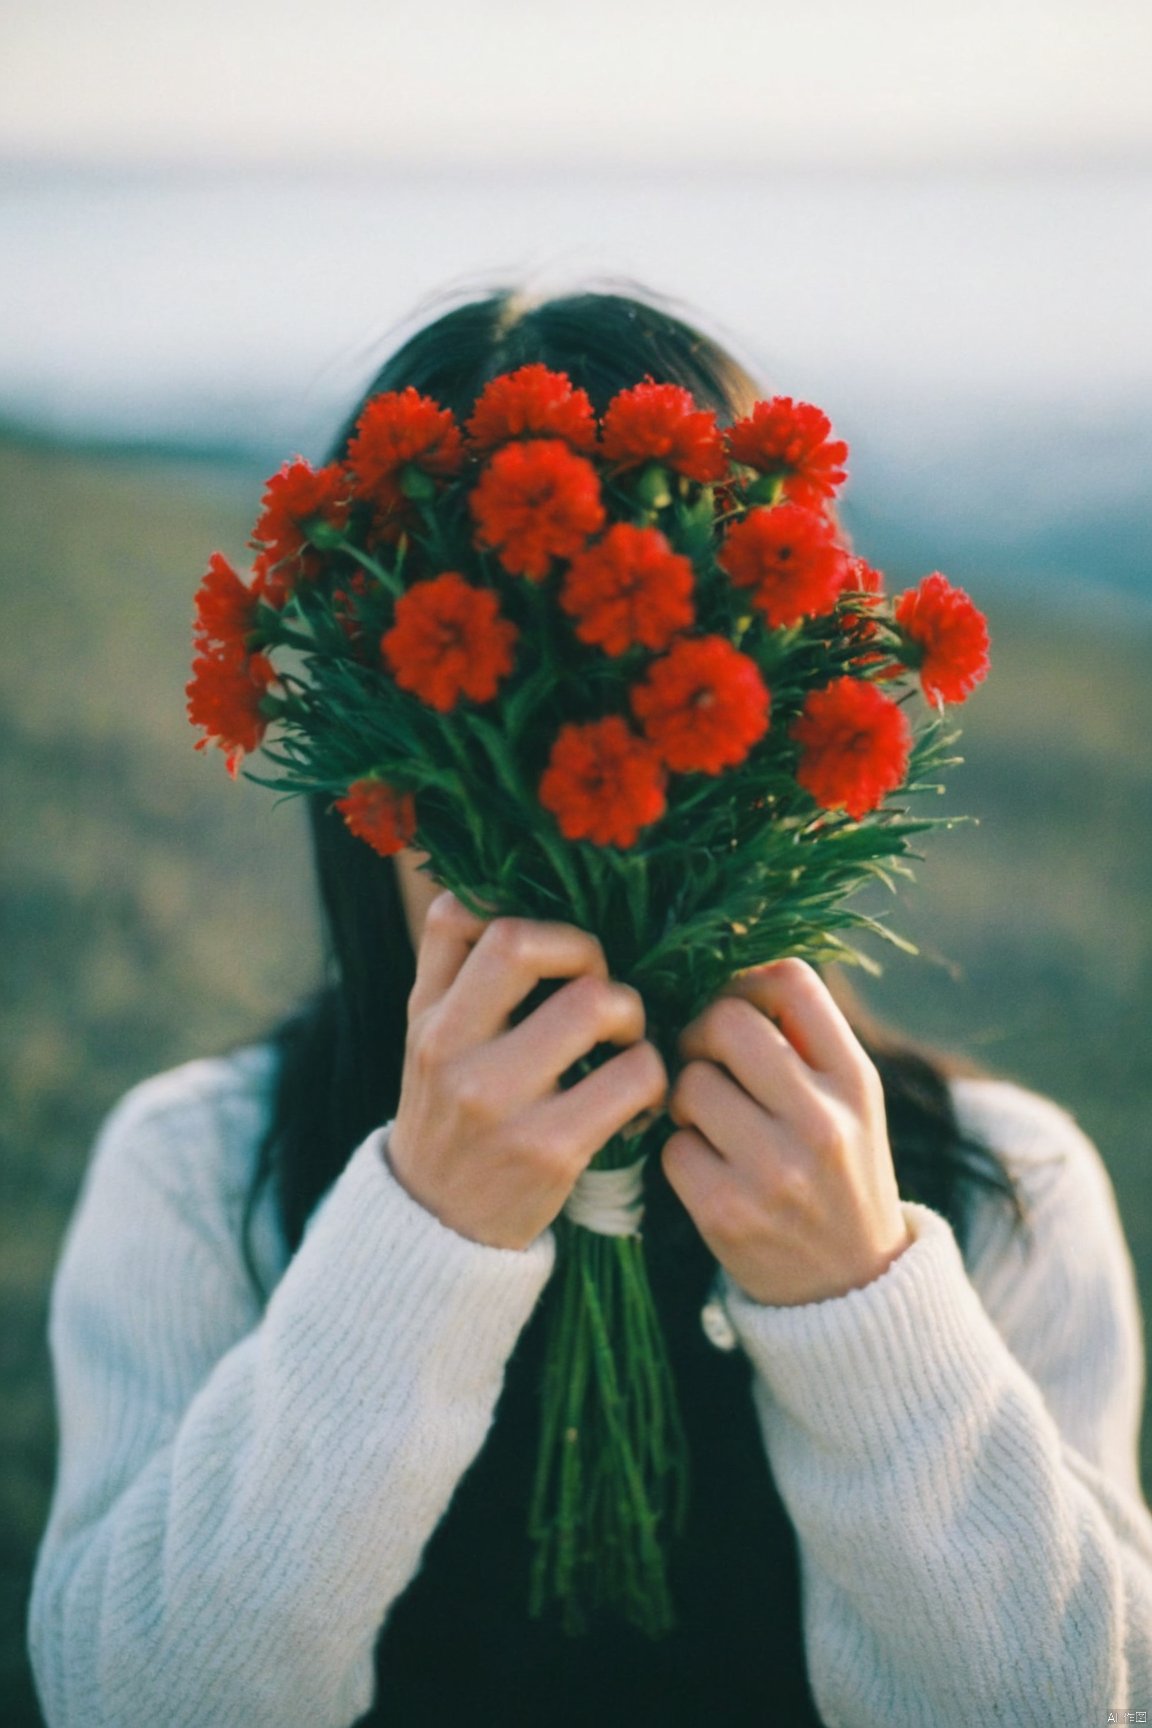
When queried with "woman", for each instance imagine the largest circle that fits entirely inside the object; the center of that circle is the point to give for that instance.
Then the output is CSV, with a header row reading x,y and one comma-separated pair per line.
x,y
297,1326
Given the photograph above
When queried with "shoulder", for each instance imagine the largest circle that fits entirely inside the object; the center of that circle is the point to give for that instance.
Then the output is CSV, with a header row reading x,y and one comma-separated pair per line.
x,y
240,1081
219,1104
187,1140
1031,1128
1038,1141
1061,1289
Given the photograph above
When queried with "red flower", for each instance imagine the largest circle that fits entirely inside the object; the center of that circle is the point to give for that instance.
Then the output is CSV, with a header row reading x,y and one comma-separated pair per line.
x,y
703,705
224,698
791,439
661,423
946,638
295,500
376,812
855,745
789,558
225,607
866,584
448,641
860,577
629,589
536,501
401,429
534,402
345,609
602,783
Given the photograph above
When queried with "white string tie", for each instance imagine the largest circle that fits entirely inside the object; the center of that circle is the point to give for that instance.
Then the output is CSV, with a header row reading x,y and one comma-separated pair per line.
x,y
608,1201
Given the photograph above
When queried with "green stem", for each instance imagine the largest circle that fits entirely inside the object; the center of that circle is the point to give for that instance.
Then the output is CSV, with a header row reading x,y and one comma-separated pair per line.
x,y
509,777
611,1475
386,577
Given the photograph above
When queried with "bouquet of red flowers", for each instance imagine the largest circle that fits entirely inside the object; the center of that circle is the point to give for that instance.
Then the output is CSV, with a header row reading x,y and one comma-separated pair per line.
x,y
622,672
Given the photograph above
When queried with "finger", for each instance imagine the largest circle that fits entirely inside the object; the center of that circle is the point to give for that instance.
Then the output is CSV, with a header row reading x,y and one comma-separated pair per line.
x,y
584,1118
694,1169
792,993
510,958
734,1033
588,1011
706,1098
450,933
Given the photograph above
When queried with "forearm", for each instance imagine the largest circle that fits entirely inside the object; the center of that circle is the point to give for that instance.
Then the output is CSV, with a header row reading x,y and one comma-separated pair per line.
x,y
243,1574
960,1562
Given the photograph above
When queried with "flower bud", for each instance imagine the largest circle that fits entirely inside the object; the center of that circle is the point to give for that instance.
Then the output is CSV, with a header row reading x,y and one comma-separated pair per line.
x,y
326,536
765,489
417,485
652,487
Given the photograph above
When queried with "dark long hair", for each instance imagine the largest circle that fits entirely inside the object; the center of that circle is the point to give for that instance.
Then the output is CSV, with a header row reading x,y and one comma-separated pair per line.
x,y
340,1056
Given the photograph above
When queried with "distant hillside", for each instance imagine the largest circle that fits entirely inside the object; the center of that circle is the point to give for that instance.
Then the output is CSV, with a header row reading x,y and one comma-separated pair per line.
x,y
1057,504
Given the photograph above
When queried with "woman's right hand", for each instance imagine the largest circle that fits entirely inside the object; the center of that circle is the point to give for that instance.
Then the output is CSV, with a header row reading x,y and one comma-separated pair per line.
x,y
484,1137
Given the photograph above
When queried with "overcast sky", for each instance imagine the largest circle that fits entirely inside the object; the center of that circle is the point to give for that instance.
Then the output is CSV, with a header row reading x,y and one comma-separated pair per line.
x,y
374,82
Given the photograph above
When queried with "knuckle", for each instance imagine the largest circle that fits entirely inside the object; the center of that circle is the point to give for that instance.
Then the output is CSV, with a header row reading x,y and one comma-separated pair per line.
x,y
693,1081
593,947
521,1147
619,1008
679,1157
726,1018
590,997
507,938
550,1152
444,913
794,973
675,1153
827,1135
476,1097
565,1156
429,1043
791,1188
589,949
720,1213
871,1085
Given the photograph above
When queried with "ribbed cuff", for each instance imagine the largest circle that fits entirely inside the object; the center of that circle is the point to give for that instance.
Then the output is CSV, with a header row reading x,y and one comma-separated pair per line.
x,y
858,1371
463,1302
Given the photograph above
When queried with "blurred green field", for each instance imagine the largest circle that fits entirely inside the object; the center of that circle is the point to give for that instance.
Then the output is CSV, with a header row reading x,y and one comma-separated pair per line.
x,y
153,911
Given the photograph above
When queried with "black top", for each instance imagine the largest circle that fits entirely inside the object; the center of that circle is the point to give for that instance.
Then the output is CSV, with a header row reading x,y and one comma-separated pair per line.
x,y
459,1648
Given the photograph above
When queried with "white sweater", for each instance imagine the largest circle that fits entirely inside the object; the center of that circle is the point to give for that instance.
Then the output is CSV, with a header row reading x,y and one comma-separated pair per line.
x,y
242,1493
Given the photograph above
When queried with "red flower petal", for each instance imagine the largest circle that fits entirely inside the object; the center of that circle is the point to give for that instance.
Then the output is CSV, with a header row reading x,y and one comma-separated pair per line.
x,y
789,558
603,783
225,607
224,699
629,589
855,746
703,705
448,641
661,423
947,636
532,402
400,428
294,501
792,440
536,501
377,813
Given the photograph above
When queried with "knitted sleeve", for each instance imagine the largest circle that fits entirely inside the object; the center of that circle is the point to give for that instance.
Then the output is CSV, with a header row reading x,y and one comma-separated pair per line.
x,y
956,1447
242,1495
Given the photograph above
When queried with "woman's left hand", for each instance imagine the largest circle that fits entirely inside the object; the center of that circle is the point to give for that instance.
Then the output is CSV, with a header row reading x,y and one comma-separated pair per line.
x,y
781,1155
